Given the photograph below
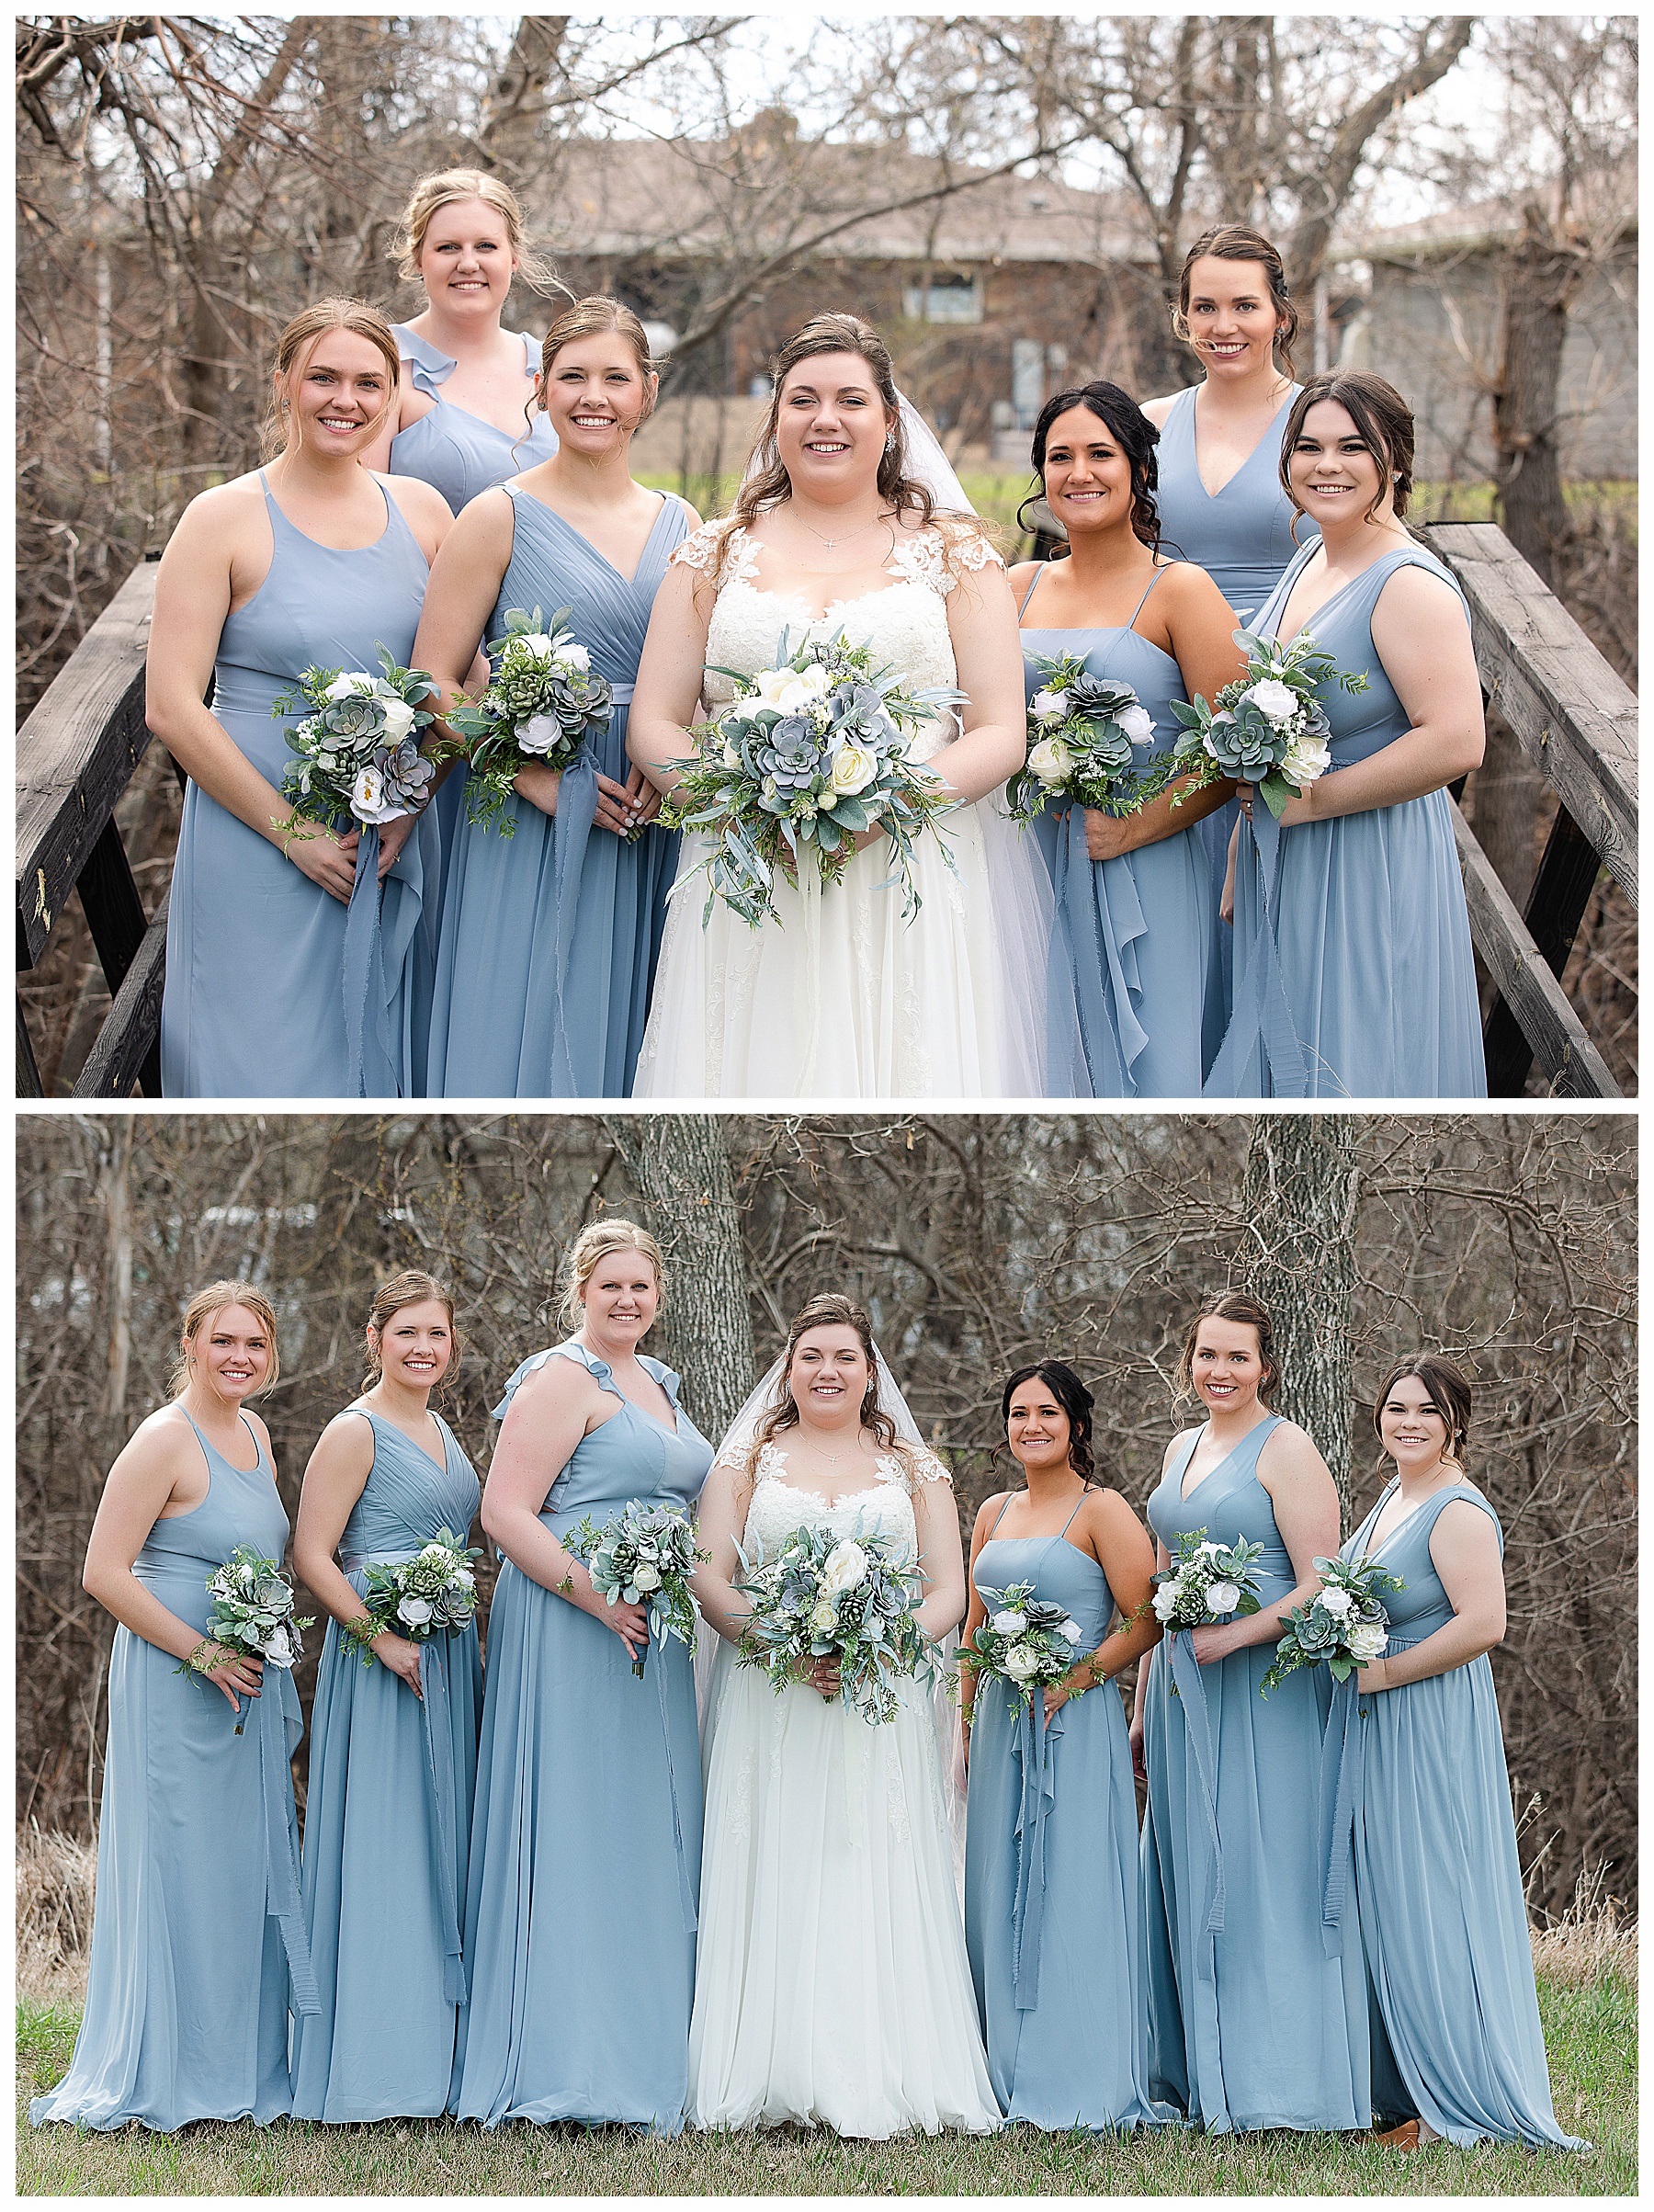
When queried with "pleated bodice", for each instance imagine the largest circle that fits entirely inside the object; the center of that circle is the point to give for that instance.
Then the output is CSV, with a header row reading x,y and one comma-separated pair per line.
x,y
456,453
1229,1503
407,1498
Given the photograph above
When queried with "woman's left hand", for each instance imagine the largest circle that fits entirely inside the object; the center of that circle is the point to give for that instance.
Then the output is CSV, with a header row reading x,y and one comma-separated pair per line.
x,y
1214,1640
625,807
393,836
1106,836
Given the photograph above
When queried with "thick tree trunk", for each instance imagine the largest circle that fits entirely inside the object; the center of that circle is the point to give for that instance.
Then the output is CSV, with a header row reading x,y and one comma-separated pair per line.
x,y
680,1167
1299,1195
1541,278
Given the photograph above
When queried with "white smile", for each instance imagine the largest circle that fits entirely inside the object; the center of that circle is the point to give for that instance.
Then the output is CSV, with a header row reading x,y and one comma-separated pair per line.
x,y
1331,490
338,423
1225,345
825,446
593,422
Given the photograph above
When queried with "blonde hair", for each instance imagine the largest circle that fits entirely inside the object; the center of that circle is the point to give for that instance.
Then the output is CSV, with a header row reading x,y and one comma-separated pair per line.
x,y
294,346
591,1247
449,187
411,1287
200,1308
598,316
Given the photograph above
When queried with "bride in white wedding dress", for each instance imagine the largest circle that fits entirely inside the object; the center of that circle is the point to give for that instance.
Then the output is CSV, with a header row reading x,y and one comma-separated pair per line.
x,y
831,1979
835,529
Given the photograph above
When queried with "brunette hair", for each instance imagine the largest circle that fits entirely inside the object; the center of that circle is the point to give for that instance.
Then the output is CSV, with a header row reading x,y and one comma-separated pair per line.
x,y
445,189
1134,434
1383,421
1240,242
828,1309
294,346
1074,1398
1449,1390
1233,1306
411,1287
592,1245
200,1308
595,317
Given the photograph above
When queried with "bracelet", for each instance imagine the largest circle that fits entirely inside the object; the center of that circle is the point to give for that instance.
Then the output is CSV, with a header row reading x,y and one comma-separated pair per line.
x,y
358,1635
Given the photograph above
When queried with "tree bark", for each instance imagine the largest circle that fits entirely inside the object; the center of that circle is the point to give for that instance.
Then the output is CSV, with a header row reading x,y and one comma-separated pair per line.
x,y
1542,276
1299,1197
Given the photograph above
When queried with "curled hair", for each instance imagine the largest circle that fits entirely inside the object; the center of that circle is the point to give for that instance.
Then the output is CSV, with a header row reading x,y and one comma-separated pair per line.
x,y
1449,1390
200,1308
827,1310
449,188
1240,242
1383,421
595,317
1234,1306
591,1247
1131,430
293,351
411,1287
1074,1398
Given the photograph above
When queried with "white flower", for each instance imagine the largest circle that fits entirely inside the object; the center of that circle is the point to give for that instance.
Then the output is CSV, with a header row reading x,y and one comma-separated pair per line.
x,y
280,1651
853,768
1138,723
368,798
570,654
535,645
1049,706
846,1566
1165,1601
1070,1628
346,686
792,691
1276,700
1337,1602
1052,761
1009,1624
538,733
1209,1549
825,1619
245,1577
436,1553
416,1611
1367,1640
1223,1597
646,1577
1021,1662
399,719
1305,760
731,758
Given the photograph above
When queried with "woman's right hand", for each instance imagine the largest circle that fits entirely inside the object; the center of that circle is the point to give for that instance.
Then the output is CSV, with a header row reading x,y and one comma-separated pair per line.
x,y
236,1671
1135,1736
329,861
630,1623
822,1676
402,1657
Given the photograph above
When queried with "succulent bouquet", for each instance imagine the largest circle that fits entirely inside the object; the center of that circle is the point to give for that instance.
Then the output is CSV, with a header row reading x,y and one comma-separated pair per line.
x,y
1206,1582
849,1598
254,1610
1345,1624
1026,1642
1081,729
542,703
644,1556
358,750
1268,727
433,1594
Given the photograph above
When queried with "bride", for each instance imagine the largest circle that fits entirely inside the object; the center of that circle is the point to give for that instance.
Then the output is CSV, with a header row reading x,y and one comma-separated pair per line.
x,y
832,1983
834,527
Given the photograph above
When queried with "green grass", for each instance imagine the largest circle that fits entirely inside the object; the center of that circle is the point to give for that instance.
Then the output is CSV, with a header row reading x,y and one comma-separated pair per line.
x,y
1590,2029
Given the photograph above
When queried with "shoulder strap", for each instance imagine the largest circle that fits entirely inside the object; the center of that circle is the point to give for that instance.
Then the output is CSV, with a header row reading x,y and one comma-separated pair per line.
x,y
1181,1468
1000,1515
1471,1497
1033,587
1159,571
1069,1521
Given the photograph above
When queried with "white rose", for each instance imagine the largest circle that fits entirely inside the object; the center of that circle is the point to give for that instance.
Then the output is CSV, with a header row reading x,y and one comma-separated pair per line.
x,y
538,733
1070,1628
1305,760
399,719
245,1577
1165,1601
731,758
1338,1603
1211,1549
1367,1640
853,768
799,693
647,1578
1052,761
1049,706
1138,724
536,645
1009,1624
346,686
368,798
435,1552
416,1611
570,654
1021,1663
846,1566
825,1619
280,1651
1277,700
1223,1597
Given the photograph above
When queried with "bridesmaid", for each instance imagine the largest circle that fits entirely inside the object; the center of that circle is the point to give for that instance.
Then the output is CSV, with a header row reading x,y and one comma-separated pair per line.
x,y
198,1948
393,1745
1134,894
1252,2024
1457,2039
1350,918
1051,1906
1220,500
313,561
551,935
585,1855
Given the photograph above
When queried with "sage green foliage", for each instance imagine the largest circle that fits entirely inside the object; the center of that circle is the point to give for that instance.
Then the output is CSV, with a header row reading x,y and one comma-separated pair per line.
x,y
526,687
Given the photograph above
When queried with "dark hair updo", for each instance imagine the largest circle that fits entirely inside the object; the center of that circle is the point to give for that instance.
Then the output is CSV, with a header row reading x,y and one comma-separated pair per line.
x,y
1131,430
1240,242
1074,1398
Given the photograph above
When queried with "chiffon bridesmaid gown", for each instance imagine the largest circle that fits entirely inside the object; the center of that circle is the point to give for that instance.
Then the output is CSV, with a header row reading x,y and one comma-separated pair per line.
x,y
585,1852
1137,930
1052,1915
1356,979
1253,2022
550,936
197,1945
387,1822
1456,2037
254,1002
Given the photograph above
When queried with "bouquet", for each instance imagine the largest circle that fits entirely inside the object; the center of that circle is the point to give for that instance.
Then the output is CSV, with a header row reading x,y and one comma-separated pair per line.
x,y
1344,1623
1268,728
806,755
542,703
1206,1582
252,1610
848,1598
644,1556
359,757
1026,1642
1081,730
433,1592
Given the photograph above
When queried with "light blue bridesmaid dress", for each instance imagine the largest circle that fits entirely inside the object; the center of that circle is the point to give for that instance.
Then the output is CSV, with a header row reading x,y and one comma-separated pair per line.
x,y
585,1851
253,1005
1252,2021
1052,1918
1357,979
198,1943
1456,2037
550,936
1137,929
1243,538
386,1820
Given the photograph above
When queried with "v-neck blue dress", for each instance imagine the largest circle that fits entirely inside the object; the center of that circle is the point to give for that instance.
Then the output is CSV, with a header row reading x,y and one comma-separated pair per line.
x,y
550,936
1255,2020
386,1820
1457,2037
1053,1916
584,1879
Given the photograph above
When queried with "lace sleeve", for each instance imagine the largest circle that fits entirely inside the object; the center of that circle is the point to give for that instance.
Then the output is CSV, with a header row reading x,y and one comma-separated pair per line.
x,y
929,1469
699,550
939,555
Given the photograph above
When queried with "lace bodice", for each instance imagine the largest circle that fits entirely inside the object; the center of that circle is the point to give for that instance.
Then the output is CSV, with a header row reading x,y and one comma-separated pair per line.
x,y
885,1509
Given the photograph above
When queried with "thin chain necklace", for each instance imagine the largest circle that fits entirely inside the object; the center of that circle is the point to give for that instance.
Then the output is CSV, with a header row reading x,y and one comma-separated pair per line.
x,y
849,536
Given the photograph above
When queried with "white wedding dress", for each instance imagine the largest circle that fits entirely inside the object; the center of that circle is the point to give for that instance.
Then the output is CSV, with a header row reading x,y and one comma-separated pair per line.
x,y
831,1979
886,1008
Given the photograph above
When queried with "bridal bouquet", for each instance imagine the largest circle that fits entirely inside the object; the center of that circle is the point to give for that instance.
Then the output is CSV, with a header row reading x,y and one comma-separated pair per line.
x,y
1081,730
806,755
359,757
1206,1582
1344,1623
1025,1642
1268,728
435,1593
644,1556
848,1598
542,703
254,1611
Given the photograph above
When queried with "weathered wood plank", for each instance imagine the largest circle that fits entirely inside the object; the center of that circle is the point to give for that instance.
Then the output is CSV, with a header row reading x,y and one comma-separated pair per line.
x,y
127,1048
29,1074
75,754
1570,712
1571,1064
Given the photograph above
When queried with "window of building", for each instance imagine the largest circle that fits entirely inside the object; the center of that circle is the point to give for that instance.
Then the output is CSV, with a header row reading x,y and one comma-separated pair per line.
x,y
946,299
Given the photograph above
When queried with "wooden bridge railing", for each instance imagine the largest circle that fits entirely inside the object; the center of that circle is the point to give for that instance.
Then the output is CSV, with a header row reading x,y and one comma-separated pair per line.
x,y
1570,712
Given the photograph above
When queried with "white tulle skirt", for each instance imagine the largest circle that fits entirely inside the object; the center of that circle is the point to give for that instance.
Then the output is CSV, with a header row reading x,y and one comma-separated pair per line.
x,y
831,1982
